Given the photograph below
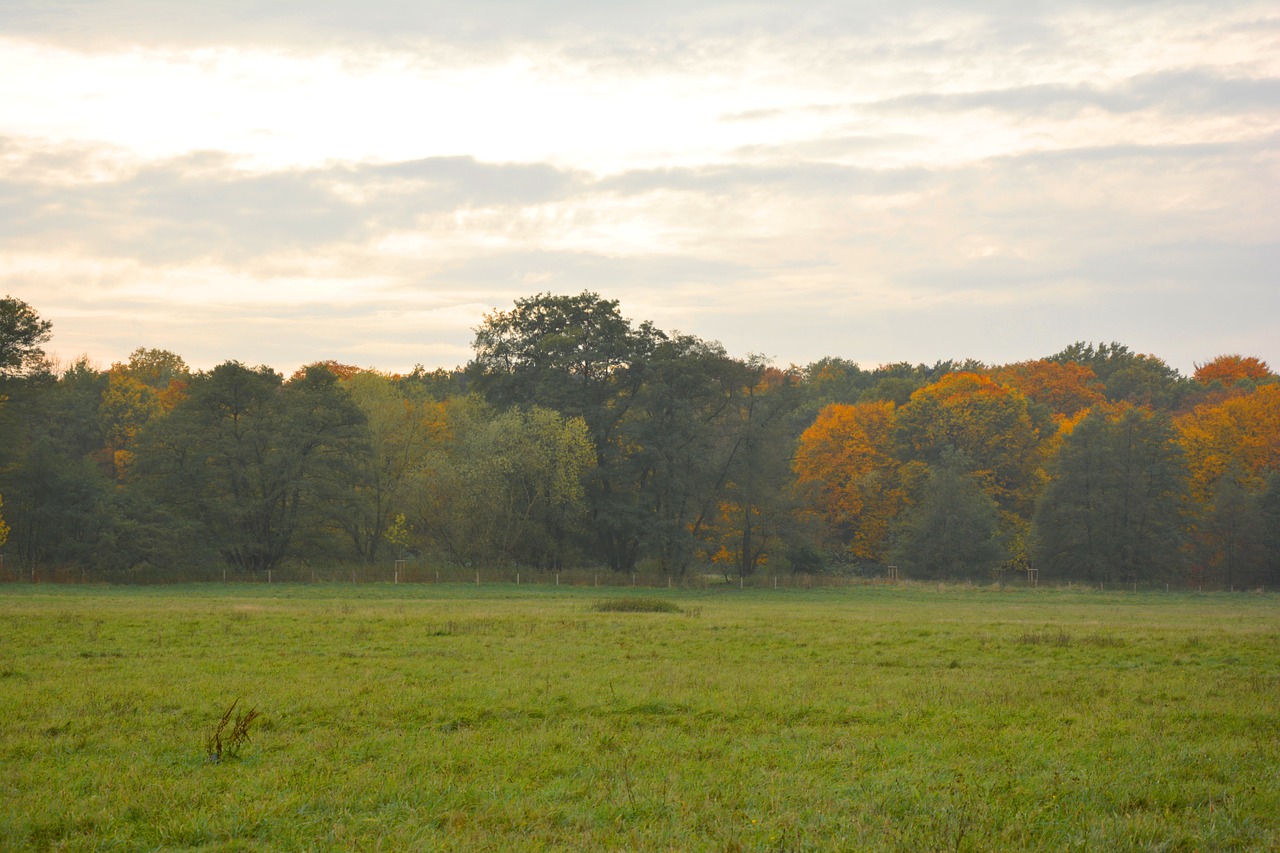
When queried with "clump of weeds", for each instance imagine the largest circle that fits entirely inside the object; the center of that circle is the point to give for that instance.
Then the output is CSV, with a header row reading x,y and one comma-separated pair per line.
x,y
230,734
636,605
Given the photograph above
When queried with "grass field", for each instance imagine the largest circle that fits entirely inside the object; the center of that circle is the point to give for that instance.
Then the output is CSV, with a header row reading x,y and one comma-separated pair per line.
x,y
495,718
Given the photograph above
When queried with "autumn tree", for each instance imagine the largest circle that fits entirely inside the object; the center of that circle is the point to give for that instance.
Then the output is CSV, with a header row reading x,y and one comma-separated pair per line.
x,y
1065,388
847,474
1242,431
989,423
1229,369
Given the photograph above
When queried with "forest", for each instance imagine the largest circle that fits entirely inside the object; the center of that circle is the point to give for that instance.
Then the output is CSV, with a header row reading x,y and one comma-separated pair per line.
x,y
577,437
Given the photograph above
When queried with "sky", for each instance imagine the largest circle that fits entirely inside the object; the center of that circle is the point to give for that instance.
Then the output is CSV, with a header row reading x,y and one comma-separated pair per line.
x,y
284,182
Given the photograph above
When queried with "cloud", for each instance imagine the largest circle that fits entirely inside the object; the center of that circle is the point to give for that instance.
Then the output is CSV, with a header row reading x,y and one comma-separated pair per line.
x,y
1182,92
201,205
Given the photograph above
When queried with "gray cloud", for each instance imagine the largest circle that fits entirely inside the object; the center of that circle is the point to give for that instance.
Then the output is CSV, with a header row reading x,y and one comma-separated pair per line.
x,y
201,206
1189,91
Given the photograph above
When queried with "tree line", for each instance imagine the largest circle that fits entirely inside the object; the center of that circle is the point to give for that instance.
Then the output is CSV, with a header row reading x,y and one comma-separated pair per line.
x,y
577,437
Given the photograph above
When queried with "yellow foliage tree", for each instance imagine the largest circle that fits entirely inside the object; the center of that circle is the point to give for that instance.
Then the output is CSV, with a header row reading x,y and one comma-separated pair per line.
x,y
1240,433
848,475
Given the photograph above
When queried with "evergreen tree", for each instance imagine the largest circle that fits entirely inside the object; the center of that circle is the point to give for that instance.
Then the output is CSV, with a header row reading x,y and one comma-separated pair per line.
x,y
1113,508
951,530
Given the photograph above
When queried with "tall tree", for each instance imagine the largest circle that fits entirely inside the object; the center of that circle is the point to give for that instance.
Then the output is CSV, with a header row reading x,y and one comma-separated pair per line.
x,y
847,473
21,334
679,436
244,455
404,427
757,505
951,530
581,357
988,422
1114,506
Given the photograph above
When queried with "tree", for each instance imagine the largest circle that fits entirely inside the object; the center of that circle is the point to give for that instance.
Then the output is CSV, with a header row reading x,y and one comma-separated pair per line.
x,y
987,422
1230,369
53,484
756,507
1114,506
1065,388
404,428
679,436
1232,533
507,487
1126,376
4,528
1241,431
848,476
581,357
244,455
951,530
21,334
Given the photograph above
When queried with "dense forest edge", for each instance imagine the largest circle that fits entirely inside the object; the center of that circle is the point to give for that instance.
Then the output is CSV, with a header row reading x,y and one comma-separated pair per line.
x,y
579,440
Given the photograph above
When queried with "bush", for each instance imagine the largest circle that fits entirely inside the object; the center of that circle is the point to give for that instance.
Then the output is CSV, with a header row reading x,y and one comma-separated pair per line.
x,y
636,605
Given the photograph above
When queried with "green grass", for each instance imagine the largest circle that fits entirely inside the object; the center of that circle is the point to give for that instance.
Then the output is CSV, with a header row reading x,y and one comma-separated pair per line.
x,y
496,718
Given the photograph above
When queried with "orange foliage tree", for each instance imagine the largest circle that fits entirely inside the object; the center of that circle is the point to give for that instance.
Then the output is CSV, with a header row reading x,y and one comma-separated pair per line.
x,y
1066,388
1228,369
1241,433
846,470
985,420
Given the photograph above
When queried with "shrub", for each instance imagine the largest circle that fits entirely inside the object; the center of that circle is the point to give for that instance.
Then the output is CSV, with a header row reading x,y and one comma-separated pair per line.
x,y
636,605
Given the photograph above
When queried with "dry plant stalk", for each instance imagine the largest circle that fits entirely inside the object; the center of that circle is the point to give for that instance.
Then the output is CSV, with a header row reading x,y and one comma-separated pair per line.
x,y
222,742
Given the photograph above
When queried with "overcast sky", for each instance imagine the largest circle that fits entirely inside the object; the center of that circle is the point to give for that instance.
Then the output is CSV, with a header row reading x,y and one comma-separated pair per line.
x,y
283,182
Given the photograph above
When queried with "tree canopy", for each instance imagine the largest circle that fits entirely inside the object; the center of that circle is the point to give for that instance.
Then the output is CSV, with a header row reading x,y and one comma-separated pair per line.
x,y
577,436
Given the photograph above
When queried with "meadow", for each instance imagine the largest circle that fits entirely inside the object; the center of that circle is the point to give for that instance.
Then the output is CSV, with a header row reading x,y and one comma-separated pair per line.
x,y
455,717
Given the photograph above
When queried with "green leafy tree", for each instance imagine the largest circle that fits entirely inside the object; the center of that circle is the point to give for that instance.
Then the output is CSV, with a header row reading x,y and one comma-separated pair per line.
x,y
1130,377
1232,533
951,530
579,356
21,334
405,426
678,437
508,487
1114,506
53,484
245,455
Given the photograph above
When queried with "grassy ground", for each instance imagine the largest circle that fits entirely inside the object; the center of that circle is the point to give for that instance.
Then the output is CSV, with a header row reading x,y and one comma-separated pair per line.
x,y
497,718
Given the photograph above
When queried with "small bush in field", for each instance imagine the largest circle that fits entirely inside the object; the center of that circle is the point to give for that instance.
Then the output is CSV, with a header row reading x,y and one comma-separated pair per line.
x,y
636,605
